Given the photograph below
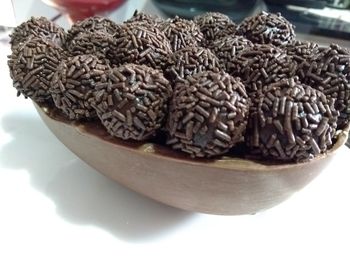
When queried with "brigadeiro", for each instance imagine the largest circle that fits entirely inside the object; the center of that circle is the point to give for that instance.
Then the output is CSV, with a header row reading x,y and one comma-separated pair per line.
x,y
92,25
215,26
260,65
37,27
290,121
227,48
140,45
267,28
97,43
208,114
32,65
133,102
73,85
329,72
189,61
144,19
181,33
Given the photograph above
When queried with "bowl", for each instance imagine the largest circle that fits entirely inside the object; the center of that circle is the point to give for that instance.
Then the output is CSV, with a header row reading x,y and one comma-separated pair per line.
x,y
226,186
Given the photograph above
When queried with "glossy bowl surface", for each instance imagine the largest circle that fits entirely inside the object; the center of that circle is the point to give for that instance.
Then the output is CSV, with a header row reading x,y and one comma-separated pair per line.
x,y
228,186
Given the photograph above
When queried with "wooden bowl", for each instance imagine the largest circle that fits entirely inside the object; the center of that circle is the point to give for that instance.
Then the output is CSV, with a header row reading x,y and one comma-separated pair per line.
x,y
228,186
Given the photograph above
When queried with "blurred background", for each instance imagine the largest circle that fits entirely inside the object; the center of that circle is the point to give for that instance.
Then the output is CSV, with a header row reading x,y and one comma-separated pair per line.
x,y
323,21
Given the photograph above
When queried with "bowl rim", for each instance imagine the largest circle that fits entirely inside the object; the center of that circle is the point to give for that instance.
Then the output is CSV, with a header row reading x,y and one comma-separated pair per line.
x,y
148,148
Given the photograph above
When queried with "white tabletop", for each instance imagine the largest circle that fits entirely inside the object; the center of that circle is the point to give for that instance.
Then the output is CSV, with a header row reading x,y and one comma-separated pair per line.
x,y
55,208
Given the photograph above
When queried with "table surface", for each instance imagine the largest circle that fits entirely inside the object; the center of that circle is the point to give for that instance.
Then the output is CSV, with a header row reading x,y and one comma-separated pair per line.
x,y
55,208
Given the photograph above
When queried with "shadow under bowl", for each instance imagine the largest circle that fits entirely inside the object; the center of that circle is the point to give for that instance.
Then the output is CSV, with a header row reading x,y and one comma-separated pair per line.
x,y
226,186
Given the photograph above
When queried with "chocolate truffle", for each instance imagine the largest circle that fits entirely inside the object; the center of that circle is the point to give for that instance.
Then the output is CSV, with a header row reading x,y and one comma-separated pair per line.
x,y
262,64
92,25
37,27
133,102
215,26
144,19
329,71
32,65
181,33
140,45
267,28
290,121
208,114
227,48
73,85
189,61
95,43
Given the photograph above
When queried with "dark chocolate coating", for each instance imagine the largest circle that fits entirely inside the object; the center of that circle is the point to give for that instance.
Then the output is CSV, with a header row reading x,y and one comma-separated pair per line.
x,y
329,71
262,64
227,48
73,85
215,26
132,104
37,27
190,61
290,121
267,28
140,45
32,65
181,33
208,114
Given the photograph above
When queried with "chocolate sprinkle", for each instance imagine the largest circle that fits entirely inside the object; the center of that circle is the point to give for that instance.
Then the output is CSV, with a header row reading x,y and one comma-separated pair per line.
x,y
133,102
73,85
215,26
302,51
37,27
32,66
290,121
227,48
181,33
208,114
261,65
189,61
140,45
267,28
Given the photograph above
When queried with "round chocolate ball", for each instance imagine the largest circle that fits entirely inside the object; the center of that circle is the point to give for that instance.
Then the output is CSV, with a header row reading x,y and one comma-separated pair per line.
x,y
227,48
95,43
190,61
329,71
133,102
215,26
37,27
290,121
208,114
140,45
181,33
92,25
144,19
32,65
267,28
260,65
73,85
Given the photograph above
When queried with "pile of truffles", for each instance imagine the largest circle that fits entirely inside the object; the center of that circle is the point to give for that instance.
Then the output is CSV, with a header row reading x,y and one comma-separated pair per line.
x,y
205,86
